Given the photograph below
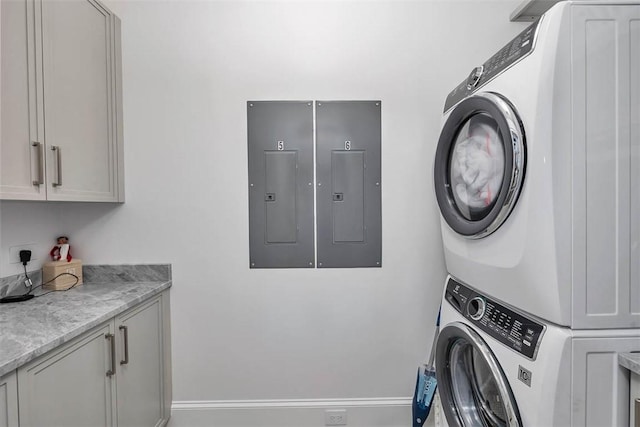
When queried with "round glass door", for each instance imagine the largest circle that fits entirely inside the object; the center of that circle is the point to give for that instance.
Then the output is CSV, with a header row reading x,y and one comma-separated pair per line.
x,y
473,389
479,165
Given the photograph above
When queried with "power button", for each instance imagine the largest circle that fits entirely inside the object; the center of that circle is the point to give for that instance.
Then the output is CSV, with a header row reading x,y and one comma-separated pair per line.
x,y
475,308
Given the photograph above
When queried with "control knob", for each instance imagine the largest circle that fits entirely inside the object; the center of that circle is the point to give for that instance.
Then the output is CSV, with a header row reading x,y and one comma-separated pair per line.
x,y
474,77
475,308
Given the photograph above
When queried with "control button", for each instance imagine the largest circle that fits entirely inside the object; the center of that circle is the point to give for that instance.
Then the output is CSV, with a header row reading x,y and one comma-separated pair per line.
x,y
476,308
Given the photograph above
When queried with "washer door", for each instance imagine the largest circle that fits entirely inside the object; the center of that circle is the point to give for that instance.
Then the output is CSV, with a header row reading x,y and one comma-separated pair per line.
x,y
473,389
479,165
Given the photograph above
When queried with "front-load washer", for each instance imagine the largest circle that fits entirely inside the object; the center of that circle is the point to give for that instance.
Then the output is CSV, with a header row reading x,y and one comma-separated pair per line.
x,y
537,169
499,366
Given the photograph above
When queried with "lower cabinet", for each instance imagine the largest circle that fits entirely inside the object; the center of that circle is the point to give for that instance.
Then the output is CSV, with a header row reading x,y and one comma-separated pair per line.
x,y
70,386
9,401
141,367
117,374
634,408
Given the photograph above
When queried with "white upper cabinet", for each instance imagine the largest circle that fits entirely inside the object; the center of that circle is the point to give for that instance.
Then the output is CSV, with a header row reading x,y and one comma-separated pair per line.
x,y
21,134
61,102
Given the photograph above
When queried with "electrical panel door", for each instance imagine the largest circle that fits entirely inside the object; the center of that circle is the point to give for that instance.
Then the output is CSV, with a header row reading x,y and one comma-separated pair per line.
x,y
348,191
280,146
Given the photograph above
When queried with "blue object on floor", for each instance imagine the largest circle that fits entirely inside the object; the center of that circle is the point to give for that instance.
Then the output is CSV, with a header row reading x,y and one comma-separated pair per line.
x,y
426,385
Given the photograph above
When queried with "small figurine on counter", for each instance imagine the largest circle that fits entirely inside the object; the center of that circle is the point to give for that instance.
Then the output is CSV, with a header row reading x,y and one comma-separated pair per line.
x,y
61,250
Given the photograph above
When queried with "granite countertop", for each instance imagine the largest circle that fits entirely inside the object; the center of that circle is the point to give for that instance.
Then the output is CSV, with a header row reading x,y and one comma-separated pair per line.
x,y
631,361
31,328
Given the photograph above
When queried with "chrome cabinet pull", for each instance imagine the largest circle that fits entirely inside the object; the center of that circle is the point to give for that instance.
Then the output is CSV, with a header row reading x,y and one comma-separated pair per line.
x,y
112,341
58,151
126,344
40,149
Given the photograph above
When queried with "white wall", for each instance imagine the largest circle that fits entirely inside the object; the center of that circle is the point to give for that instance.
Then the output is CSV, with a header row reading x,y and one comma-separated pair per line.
x,y
189,68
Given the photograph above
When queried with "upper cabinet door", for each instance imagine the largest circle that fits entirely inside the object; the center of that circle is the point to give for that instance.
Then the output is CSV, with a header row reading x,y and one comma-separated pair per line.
x,y
80,50
21,135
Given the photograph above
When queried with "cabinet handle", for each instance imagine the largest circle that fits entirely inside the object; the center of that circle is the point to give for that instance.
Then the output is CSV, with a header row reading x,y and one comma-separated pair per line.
x,y
58,151
636,407
112,341
40,149
126,344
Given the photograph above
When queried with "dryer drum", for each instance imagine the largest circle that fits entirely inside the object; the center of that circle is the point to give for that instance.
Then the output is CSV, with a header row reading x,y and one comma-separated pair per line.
x,y
473,388
479,164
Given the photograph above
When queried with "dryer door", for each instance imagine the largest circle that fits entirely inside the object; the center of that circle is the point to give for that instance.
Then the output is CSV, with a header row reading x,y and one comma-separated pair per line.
x,y
479,165
473,389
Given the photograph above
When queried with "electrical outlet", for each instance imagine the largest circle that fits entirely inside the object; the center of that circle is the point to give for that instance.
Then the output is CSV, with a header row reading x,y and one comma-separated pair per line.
x,y
335,417
14,252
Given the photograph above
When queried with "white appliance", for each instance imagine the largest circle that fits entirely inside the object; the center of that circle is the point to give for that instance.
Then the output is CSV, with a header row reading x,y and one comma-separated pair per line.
x,y
537,170
498,366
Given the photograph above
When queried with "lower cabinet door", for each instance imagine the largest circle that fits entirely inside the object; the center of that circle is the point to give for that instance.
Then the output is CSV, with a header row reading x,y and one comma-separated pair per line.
x,y
9,400
141,366
634,408
71,386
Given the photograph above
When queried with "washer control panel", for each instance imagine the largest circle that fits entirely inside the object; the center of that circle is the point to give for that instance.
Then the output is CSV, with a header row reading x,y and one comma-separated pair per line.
x,y
515,50
518,332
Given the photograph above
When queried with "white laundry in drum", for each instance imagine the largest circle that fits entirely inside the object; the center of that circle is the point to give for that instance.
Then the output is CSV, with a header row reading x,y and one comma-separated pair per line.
x,y
477,166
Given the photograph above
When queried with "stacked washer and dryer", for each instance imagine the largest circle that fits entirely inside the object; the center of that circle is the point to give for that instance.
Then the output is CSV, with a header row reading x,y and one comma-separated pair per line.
x,y
537,176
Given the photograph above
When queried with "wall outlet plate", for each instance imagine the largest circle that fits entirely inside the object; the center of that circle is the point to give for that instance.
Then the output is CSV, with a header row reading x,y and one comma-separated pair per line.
x,y
335,417
14,252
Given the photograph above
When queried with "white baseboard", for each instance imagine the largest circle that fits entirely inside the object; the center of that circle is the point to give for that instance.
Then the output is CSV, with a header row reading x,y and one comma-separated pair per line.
x,y
375,412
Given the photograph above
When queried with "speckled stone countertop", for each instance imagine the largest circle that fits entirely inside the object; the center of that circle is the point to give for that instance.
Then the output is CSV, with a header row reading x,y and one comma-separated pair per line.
x,y
31,328
631,361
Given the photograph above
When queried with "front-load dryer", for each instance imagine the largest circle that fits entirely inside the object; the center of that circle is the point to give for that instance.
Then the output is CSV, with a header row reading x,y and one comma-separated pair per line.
x,y
537,169
498,366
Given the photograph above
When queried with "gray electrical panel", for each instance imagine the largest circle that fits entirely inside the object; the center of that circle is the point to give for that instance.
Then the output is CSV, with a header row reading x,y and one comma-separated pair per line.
x,y
348,191
280,146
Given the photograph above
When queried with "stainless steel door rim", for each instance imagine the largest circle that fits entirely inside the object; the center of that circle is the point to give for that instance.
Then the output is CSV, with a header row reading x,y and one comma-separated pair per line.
x,y
473,388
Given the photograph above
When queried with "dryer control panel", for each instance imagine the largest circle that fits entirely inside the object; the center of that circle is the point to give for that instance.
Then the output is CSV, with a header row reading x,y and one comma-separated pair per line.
x,y
514,51
518,332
